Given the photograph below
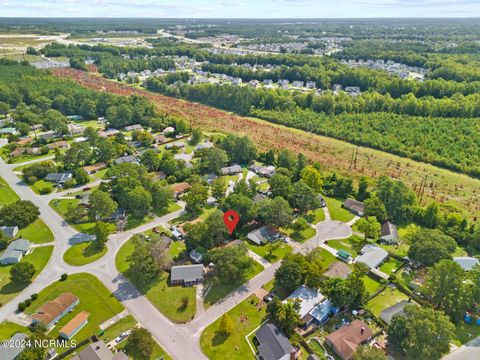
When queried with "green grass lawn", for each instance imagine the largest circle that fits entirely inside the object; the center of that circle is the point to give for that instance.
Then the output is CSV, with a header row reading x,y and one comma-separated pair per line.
x,y
400,249
390,266
279,253
27,157
337,212
465,332
246,317
94,298
37,232
173,206
371,285
8,329
83,253
135,221
7,195
388,297
40,185
299,236
315,216
353,244
167,299
325,257
157,352
176,249
219,291
124,324
38,257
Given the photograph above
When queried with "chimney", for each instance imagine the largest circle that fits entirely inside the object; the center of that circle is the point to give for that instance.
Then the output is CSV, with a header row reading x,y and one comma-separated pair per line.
x,y
293,355
362,330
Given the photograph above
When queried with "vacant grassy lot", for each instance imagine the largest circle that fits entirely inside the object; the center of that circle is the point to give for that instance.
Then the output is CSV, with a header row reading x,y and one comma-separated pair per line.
x,y
38,257
219,291
388,297
301,236
353,244
94,298
37,232
167,299
315,216
279,253
84,253
42,187
7,195
246,317
337,212
8,329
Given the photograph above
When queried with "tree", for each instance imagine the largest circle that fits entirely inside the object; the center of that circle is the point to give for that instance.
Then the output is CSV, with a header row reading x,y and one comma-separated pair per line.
x,y
430,246
243,205
286,159
101,205
78,154
3,241
280,185
21,213
374,207
362,193
430,216
448,290
140,344
213,159
346,292
101,234
303,197
196,198
397,198
150,160
370,227
276,212
231,263
286,315
33,352
365,352
81,176
240,150
196,136
22,272
208,234
219,188
142,264
289,275
312,178
420,333
226,324
138,201
161,196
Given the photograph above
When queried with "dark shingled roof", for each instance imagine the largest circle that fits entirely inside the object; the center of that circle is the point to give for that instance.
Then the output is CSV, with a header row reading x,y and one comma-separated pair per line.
x,y
273,343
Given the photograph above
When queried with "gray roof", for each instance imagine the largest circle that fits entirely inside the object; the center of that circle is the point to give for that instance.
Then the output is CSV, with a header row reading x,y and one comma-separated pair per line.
x,y
196,256
58,177
15,250
125,159
387,314
20,245
263,234
389,229
273,344
11,352
467,263
9,231
99,351
372,255
231,170
187,273
354,205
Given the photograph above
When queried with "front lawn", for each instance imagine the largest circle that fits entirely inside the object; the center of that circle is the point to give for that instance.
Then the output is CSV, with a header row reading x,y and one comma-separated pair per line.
x,y
8,329
337,212
42,187
167,299
134,221
388,297
315,216
38,257
353,244
7,195
279,252
83,253
301,236
325,257
124,324
37,232
219,291
94,298
246,317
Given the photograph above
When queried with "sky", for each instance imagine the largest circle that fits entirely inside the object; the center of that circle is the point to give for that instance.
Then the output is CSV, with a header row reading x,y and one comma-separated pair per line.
x,y
240,8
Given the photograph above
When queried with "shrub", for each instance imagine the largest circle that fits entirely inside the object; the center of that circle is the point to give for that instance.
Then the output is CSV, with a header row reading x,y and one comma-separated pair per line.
x,y
64,277
21,306
34,296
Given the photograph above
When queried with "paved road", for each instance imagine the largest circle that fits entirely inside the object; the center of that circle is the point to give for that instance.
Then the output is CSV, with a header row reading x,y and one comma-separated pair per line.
x,y
180,341
468,351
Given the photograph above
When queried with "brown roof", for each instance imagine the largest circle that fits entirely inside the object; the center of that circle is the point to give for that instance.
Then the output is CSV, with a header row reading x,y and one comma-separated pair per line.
x,y
73,324
160,138
24,141
51,309
346,339
57,144
179,188
338,269
95,167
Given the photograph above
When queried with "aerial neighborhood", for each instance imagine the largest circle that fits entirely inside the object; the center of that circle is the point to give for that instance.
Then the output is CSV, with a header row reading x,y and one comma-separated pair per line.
x,y
182,192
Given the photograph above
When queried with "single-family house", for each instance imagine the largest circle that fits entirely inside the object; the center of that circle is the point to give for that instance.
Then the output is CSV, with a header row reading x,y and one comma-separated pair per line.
x,y
180,188
118,214
398,309
196,256
24,141
264,171
59,178
273,344
231,170
466,262
33,150
204,145
58,145
175,145
15,251
108,133
338,269
160,138
314,307
345,340
52,311
98,350
9,231
17,152
133,127
92,169
354,206
389,233
263,235
75,129
186,274
46,135
372,256
168,130
11,352
8,130
74,325
125,159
